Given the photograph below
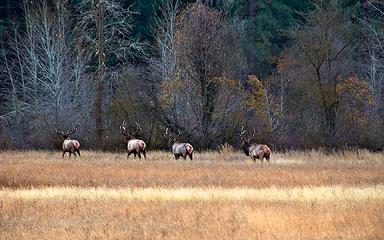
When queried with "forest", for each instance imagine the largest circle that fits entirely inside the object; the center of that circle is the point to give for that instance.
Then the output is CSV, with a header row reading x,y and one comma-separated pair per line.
x,y
297,74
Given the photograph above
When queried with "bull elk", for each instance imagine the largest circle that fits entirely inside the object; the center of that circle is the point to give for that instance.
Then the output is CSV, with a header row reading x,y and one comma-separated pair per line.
x,y
135,146
69,145
254,150
179,149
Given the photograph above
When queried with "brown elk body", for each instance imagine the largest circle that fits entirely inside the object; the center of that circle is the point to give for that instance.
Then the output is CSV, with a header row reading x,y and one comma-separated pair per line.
x,y
179,149
254,150
134,146
71,146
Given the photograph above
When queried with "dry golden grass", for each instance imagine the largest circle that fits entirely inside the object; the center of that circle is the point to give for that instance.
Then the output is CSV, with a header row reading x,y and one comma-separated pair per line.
x,y
217,196
93,169
118,219
272,194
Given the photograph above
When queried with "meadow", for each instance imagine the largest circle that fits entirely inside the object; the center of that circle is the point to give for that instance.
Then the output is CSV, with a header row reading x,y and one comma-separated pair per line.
x,y
298,195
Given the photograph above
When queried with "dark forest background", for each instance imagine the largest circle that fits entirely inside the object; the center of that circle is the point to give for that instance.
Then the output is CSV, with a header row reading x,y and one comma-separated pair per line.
x,y
299,74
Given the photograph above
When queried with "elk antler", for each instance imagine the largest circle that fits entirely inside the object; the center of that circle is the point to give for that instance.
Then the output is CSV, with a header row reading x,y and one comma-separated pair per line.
x,y
179,132
243,138
166,133
59,132
123,128
254,134
69,133
170,136
242,131
138,128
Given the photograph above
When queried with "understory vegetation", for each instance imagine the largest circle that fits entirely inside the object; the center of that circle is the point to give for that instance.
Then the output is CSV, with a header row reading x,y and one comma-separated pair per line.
x,y
304,74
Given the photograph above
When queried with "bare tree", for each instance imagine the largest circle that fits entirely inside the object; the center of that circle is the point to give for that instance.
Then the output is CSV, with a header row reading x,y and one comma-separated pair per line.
x,y
371,66
375,65
200,63
373,52
46,71
106,34
164,67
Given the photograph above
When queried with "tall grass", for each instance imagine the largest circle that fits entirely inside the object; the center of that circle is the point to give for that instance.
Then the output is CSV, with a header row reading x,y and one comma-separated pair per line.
x,y
274,194
113,170
299,195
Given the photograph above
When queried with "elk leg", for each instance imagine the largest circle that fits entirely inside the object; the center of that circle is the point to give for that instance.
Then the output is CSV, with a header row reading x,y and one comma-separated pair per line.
x,y
176,156
139,155
190,156
63,153
134,154
129,153
78,152
144,153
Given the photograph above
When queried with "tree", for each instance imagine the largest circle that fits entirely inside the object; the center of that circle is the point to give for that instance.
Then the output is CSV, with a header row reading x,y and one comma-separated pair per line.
x,y
198,91
45,74
106,34
355,103
327,101
371,66
265,25
322,48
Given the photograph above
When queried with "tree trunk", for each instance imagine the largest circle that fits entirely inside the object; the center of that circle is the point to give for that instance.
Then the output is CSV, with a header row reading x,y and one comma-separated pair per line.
x,y
8,10
252,5
100,74
330,119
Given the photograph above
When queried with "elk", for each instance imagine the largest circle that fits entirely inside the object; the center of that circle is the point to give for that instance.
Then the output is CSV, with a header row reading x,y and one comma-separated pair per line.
x,y
179,149
254,150
135,146
69,145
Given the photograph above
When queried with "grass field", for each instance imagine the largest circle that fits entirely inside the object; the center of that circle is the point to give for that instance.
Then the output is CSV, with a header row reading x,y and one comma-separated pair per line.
x,y
299,195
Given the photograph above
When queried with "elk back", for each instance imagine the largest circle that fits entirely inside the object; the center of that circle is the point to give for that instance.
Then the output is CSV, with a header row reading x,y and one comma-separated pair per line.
x,y
255,150
70,144
136,145
182,149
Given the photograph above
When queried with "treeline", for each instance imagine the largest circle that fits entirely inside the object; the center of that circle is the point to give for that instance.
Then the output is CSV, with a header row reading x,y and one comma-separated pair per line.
x,y
301,74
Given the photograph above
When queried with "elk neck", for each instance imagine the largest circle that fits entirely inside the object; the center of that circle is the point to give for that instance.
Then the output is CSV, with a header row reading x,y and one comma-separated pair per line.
x,y
246,146
172,141
129,138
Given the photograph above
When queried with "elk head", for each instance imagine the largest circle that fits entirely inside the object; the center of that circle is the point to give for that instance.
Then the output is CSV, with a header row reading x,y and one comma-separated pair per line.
x,y
172,138
66,134
167,135
127,133
246,141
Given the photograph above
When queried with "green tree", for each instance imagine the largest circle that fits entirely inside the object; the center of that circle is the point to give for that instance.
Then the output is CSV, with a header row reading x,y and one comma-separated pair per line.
x,y
265,24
